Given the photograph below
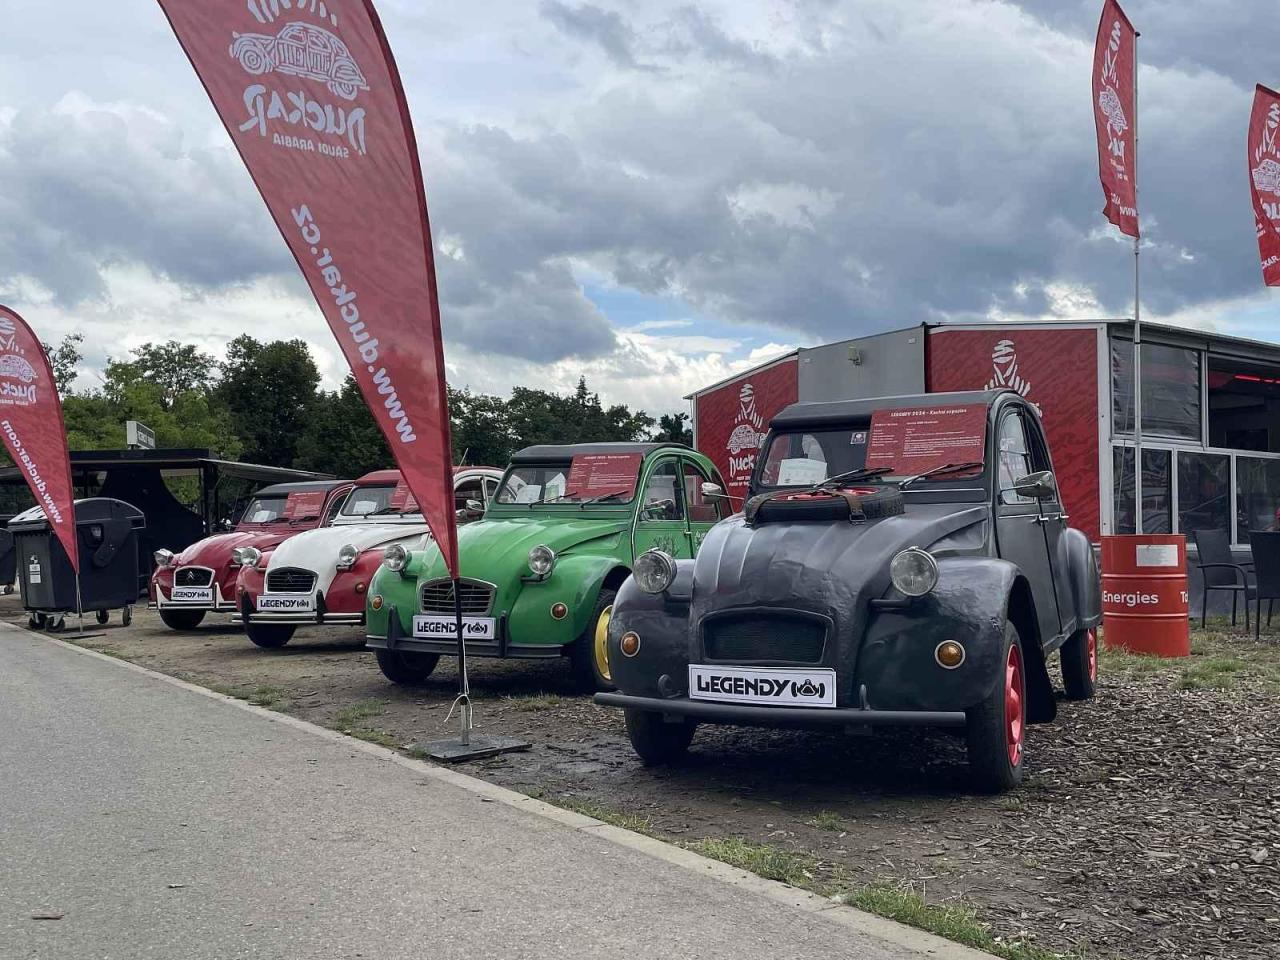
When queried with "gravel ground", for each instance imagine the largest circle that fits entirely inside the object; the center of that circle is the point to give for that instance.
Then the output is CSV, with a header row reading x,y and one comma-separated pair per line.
x,y
1148,827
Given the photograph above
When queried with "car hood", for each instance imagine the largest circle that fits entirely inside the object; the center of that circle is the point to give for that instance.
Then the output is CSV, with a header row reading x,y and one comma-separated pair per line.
x,y
490,547
317,550
828,568
215,551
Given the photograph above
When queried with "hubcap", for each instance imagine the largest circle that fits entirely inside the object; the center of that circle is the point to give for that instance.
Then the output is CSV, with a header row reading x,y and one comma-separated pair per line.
x,y
1014,692
602,643
1093,655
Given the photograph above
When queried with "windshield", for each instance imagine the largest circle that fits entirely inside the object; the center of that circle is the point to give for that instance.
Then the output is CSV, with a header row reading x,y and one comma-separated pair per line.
x,y
549,483
802,458
376,501
264,510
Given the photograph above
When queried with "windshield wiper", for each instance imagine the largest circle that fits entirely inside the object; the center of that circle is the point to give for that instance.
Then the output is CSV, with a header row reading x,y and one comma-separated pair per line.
x,y
862,473
558,496
940,471
602,497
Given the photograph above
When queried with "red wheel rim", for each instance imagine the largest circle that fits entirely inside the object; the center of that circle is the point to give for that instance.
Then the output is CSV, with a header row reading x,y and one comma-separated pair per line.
x,y
1093,655
1014,694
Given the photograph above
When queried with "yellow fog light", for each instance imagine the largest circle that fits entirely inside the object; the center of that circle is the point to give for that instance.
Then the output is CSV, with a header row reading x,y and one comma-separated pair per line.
x,y
949,654
376,601
559,611
629,644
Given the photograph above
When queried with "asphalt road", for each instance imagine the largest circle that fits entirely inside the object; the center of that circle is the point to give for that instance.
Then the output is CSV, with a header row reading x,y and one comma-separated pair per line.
x,y
153,821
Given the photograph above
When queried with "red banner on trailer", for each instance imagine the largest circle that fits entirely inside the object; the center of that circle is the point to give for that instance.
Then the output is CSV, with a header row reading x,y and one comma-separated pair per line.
x,y
1264,180
1115,116
33,429
310,94
733,419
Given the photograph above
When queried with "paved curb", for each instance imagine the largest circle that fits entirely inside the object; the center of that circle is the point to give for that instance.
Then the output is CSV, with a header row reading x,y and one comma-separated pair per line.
x,y
858,922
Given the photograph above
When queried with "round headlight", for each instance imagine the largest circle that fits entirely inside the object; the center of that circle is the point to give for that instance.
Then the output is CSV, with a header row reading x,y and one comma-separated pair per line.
x,y
249,556
914,572
395,557
347,556
541,559
654,571
163,557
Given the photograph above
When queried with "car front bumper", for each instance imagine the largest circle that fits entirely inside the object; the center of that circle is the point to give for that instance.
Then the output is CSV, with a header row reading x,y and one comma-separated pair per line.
x,y
501,648
706,711
220,604
319,616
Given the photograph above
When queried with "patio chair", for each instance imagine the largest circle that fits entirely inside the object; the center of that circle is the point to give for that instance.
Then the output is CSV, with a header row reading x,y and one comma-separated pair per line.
x,y
1219,571
1266,557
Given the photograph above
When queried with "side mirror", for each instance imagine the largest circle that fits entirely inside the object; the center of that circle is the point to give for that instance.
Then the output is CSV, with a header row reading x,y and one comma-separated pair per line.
x,y
474,510
712,490
1037,486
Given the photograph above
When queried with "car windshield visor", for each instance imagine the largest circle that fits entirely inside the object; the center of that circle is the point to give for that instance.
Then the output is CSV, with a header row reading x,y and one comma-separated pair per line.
x,y
805,457
534,484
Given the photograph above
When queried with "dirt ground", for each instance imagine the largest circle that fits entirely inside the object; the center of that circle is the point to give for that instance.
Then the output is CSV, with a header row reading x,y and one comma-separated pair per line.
x,y
1148,826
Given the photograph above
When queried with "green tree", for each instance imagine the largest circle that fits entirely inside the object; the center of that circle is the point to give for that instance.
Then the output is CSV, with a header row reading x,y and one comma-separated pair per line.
x,y
672,429
269,390
63,359
538,416
174,368
341,436
480,430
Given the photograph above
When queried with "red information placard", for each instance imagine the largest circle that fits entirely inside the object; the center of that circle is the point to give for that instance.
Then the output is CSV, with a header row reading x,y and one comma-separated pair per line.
x,y
599,474
305,504
915,439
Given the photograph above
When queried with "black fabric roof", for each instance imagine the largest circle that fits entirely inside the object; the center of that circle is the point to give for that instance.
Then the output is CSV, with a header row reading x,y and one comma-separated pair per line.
x,y
838,411
283,489
554,451
180,458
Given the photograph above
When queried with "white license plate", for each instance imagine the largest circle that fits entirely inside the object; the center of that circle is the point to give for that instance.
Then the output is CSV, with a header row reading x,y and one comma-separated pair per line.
x,y
436,627
191,595
765,686
286,603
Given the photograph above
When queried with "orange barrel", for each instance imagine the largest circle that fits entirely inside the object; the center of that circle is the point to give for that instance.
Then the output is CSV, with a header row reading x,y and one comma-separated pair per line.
x,y
1144,594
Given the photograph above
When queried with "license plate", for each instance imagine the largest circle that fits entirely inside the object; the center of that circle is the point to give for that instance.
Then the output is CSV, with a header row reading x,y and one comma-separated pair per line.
x,y
432,627
286,603
764,686
191,595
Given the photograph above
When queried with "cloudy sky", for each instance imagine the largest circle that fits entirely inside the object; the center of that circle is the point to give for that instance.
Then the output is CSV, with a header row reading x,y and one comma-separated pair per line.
x,y
655,195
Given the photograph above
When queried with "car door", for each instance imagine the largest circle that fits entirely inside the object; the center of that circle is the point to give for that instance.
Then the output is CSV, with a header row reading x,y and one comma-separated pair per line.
x,y
1020,525
661,520
1054,523
704,512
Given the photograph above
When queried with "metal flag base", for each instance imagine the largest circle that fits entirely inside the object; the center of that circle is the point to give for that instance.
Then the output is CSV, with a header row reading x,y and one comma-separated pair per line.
x,y
480,747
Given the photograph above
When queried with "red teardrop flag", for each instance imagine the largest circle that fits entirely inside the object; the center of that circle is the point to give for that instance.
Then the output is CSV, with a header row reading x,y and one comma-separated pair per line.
x,y
310,94
1264,180
1115,116
32,426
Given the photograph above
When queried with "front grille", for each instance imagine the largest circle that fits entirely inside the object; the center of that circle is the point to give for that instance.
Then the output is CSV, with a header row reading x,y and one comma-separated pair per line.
x,y
291,580
477,598
192,577
755,639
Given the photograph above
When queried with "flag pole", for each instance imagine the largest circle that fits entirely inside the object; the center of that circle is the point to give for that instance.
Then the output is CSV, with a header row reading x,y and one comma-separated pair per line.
x,y
464,686
1137,318
79,605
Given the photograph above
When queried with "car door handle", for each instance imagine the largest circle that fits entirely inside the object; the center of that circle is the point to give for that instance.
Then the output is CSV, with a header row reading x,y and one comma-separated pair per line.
x,y
1053,516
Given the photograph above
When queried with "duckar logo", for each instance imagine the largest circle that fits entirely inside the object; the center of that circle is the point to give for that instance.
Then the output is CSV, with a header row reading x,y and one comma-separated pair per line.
x,y
303,52
17,375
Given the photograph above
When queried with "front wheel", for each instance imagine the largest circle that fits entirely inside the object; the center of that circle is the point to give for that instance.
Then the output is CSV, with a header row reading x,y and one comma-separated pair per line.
x,y
996,728
589,654
655,741
102,616
1080,665
270,635
406,667
181,619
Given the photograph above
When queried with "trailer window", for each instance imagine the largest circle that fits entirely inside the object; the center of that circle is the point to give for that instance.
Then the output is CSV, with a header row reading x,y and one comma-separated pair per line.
x,y
1170,389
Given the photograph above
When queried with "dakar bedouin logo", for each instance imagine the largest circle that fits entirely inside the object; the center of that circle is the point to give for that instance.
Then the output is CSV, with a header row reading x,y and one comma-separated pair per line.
x,y
1266,175
1004,371
746,437
17,375
305,52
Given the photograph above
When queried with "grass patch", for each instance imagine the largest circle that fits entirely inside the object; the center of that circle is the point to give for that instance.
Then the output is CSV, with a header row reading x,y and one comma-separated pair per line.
x,y
898,901
535,702
1219,657
358,711
267,696
826,820
764,859
383,738
615,818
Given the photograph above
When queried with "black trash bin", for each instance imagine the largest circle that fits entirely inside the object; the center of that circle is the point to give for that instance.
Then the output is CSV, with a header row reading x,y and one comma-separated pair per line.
x,y
107,536
8,561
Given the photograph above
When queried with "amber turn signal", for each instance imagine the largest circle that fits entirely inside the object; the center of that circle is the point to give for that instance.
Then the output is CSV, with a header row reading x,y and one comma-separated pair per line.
x,y
629,644
559,611
949,654
376,601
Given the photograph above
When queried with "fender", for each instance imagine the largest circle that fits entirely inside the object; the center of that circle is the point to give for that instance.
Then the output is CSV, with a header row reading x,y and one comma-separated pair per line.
x,y
662,623
1082,573
896,663
576,581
